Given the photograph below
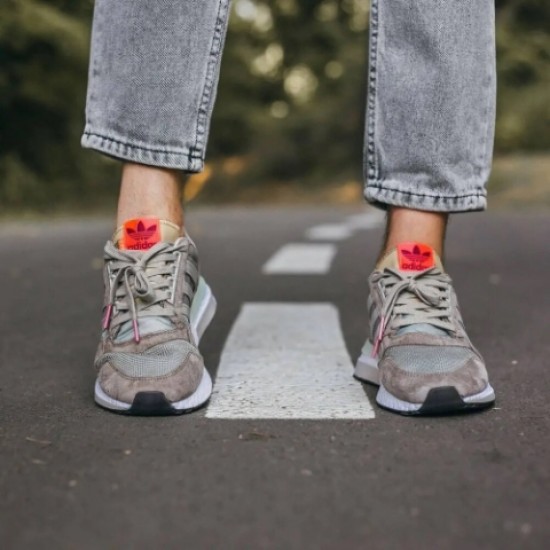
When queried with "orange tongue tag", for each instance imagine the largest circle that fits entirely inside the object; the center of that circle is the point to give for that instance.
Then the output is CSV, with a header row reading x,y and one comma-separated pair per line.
x,y
415,257
140,234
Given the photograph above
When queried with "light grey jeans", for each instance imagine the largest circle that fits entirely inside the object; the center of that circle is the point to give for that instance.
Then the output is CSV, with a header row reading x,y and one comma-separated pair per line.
x,y
430,104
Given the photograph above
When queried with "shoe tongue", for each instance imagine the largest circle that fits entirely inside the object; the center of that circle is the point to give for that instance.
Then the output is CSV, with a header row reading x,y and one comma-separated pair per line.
x,y
410,258
143,233
140,234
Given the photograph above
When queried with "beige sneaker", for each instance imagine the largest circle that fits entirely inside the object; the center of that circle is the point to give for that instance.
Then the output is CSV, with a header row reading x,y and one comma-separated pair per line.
x,y
156,309
418,351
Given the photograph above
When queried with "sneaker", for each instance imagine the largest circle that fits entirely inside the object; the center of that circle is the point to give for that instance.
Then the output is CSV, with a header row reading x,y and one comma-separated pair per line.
x,y
156,309
418,351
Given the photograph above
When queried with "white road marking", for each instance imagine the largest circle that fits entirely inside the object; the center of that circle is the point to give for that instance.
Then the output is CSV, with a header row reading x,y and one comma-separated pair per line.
x,y
301,259
329,232
368,220
316,259
287,361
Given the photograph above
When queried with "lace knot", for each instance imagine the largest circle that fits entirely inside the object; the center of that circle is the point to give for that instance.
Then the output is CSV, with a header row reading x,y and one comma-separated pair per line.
x,y
430,298
141,287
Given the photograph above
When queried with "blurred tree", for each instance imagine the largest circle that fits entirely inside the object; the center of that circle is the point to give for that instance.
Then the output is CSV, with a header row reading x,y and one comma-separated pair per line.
x,y
523,47
43,58
302,66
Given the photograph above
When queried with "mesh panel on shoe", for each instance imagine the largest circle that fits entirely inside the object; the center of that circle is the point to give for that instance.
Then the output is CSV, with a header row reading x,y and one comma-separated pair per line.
x,y
159,360
429,359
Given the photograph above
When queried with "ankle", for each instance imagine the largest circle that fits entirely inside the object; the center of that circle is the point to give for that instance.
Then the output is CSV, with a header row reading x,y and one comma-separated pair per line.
x,y
407,225
150,192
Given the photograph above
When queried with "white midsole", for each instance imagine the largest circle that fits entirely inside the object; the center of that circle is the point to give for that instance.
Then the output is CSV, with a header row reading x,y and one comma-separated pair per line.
x,y
199,322
386,399
205,313
200,396
366,369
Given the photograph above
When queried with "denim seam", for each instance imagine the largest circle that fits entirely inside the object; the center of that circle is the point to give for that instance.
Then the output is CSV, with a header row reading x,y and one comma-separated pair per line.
x,y
484,142
488,139
206,96
97,30
372,165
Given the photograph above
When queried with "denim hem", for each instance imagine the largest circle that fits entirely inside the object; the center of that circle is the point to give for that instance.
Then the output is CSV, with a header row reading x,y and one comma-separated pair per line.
x,y
189,160
382,196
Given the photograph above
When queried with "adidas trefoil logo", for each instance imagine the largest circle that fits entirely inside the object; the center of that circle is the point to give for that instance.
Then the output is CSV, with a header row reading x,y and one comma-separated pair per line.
x,y
141,233
416,259
141,236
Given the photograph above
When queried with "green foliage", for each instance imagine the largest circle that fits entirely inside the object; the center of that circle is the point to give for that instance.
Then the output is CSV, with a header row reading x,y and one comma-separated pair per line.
x,y
43,58
291,98
301,66
523,47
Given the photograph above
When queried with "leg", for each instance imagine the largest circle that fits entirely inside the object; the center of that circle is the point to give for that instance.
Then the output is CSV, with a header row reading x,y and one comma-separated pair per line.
x,y
431,104
153,75
152,80
405,224
430,123
147,190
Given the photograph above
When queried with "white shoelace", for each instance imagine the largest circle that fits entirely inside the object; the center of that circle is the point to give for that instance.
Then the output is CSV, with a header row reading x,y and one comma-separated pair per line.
x,y
422,298
142,284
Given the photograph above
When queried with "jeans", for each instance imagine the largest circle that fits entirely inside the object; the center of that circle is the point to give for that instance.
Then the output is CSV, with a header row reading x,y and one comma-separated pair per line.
x,y
430,104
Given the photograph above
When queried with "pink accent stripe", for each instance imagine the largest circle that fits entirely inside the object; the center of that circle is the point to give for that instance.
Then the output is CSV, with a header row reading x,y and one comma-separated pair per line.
x,y
136,331
379,336
107,317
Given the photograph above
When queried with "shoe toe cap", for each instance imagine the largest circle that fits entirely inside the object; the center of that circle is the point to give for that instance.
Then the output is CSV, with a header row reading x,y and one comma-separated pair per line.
x,y
175,385
412,385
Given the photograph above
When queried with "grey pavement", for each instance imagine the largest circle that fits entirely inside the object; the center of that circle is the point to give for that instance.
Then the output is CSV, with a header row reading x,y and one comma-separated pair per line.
x,y
73,476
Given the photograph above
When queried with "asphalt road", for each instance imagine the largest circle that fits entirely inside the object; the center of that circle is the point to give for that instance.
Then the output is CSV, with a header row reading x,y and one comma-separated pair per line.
x,y
73,476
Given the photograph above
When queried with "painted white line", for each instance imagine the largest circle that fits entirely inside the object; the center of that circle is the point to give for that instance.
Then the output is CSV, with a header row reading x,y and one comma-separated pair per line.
x,y
287,361
329,232
301,259
368,220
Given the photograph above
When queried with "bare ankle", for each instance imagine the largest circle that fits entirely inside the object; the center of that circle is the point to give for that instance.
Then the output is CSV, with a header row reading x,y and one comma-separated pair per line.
x,y
406,225
148,191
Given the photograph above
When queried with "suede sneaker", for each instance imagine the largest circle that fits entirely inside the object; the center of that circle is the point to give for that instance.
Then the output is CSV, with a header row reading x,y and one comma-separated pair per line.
x,y
418,351
156,309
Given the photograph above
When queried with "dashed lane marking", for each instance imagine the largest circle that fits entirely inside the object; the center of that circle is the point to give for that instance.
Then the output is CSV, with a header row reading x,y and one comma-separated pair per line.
x,y
329,232
316,258
287,361
369,220
346,229
301,259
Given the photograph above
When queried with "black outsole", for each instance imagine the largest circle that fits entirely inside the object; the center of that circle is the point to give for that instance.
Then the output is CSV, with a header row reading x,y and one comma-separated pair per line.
x,y
444,401
153,403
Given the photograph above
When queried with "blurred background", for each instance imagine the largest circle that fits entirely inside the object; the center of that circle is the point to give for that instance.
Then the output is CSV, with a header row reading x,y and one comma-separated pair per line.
x,y
301,64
